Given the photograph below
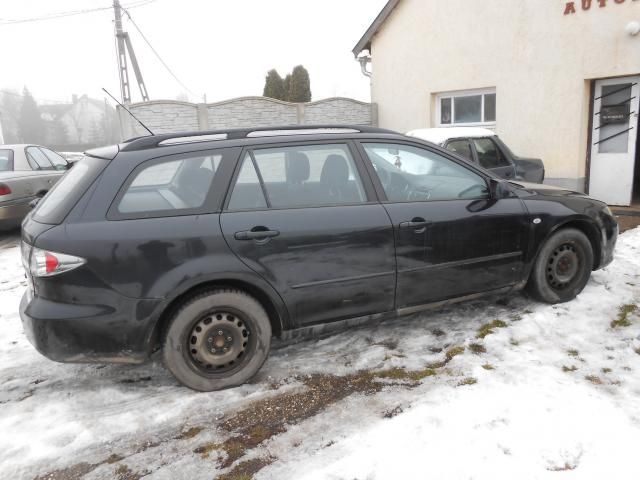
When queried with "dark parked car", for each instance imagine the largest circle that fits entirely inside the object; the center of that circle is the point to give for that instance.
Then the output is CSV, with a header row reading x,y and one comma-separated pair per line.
x,y
206,245
483,147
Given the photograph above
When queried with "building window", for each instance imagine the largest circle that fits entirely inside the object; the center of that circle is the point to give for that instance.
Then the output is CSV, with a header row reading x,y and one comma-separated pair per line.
x,y
470,107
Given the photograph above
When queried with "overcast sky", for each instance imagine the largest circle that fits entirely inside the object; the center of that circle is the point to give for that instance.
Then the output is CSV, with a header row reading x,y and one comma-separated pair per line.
x,y
221,48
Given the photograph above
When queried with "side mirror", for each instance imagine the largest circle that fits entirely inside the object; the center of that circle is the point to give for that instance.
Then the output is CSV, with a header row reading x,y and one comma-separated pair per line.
x,y
499,189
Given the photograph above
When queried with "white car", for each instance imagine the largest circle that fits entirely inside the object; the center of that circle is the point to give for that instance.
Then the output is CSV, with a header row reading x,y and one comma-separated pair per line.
x,y
483,147
27,172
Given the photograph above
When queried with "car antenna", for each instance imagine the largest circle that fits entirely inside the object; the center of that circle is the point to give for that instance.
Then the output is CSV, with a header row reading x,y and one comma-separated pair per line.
x,y
128,111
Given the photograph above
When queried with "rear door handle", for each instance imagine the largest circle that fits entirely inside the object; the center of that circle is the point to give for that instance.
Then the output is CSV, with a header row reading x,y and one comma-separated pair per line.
x,y
255,234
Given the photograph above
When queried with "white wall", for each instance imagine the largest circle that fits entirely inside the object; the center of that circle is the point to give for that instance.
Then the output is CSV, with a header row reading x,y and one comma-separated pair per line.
x,y
540,61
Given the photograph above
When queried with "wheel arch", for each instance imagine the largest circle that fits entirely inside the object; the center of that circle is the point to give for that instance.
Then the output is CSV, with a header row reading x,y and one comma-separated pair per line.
x,y
585,225
275,308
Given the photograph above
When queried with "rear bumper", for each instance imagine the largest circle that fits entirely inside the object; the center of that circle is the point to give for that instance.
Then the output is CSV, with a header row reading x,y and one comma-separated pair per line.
x,y
85,333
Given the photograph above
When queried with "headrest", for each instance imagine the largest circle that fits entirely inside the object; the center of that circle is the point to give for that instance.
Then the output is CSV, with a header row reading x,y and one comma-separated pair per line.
x,y
298,168
335,170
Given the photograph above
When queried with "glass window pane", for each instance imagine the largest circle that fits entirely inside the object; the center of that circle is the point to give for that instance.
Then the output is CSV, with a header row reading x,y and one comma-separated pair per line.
x,y
490,107
181,184
58,161
247,192
461,147
468,109
489,156
445,111
38,159
310,175
411,174
6,160
615,99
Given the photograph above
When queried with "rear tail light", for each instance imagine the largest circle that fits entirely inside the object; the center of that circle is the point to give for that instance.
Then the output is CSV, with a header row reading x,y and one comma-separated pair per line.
x,y
45,263
4,189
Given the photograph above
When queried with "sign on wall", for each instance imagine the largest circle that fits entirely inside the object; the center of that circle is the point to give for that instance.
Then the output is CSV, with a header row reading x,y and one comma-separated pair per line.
x,y
573,6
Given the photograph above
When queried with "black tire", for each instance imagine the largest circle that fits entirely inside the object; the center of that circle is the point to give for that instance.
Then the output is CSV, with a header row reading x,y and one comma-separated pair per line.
x,y
562,268
217,339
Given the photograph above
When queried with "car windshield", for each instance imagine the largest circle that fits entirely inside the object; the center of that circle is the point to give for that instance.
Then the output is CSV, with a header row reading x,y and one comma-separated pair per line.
x,y
6,160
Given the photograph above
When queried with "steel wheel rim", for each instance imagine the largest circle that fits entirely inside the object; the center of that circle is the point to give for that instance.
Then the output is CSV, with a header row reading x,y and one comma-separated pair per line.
x,y
563,266
219,341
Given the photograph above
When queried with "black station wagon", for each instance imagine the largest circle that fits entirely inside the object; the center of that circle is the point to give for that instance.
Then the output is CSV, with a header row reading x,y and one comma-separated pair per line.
x,y
206,245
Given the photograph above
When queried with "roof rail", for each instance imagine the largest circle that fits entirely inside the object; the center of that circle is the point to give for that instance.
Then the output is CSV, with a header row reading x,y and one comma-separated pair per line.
x,y
179,138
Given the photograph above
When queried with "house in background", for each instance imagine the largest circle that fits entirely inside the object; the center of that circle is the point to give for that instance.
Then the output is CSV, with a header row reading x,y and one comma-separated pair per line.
x,y
555,79
83,123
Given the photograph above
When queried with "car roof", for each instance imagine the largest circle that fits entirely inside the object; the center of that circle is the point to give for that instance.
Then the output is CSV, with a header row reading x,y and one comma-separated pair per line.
x,y
17,146
442,134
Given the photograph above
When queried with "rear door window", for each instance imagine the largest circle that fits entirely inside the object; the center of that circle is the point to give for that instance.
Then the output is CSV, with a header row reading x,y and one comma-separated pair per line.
x,y
298,176
6,160
461,147
489,155
170,186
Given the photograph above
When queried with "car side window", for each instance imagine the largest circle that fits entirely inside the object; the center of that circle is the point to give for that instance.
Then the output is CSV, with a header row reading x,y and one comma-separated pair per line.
x,y
300,176
170,185
412,174
461,147
6,160
489,155
37,159
247,193
56,159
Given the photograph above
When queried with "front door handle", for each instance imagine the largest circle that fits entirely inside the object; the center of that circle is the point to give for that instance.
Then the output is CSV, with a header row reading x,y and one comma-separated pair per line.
x,y
419,225
256,233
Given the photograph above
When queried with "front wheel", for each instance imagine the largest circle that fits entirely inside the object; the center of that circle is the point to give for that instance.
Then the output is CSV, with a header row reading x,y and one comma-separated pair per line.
x,y
563,267
217,339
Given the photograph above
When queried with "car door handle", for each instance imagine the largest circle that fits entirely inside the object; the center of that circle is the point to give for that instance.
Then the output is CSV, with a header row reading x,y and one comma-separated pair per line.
x,y
415,224
255,234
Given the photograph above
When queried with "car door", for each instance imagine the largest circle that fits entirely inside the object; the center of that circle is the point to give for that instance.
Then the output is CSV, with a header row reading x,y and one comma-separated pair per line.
x,y
452,237
491,157
305,219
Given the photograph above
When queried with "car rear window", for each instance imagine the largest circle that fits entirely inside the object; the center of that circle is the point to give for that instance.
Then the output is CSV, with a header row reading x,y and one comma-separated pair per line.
x,y
6,160
56,205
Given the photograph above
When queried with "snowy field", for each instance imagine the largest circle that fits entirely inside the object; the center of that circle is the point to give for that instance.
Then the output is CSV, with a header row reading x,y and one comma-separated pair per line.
x,y
499,388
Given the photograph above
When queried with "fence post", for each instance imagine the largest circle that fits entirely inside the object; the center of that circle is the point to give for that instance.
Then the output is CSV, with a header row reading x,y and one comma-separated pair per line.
x,y
203,116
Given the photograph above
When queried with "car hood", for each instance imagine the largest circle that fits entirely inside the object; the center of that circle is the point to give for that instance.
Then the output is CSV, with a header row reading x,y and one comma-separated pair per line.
x,y
545,189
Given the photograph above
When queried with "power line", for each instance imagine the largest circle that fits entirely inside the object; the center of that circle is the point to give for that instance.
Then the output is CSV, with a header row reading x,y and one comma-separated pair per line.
x,y
157,54
70,13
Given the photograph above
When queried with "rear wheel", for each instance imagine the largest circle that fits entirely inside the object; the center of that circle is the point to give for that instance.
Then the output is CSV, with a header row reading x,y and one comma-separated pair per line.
x,y
563,267
217,339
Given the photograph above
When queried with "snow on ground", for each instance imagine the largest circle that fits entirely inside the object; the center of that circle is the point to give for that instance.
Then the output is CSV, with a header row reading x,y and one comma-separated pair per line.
x,y
550,391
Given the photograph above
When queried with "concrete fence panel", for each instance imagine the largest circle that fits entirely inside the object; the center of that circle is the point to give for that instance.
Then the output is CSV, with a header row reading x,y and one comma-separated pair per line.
x,y
163,116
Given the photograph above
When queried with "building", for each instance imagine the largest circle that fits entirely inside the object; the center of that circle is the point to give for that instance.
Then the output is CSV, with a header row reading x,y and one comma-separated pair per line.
x,y
555,79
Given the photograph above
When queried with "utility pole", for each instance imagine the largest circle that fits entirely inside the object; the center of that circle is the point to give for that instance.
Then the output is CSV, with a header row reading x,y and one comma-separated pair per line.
x,y
124,45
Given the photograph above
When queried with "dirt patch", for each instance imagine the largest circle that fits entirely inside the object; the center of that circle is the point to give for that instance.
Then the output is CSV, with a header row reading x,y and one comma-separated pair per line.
x,y
624,312
489,328
125,473
246,470
77,471
477,348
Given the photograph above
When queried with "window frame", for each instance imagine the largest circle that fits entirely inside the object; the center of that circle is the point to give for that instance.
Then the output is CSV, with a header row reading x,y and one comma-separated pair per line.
x,y
55,154
217,190
359,163
382,194
472,150
482,92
